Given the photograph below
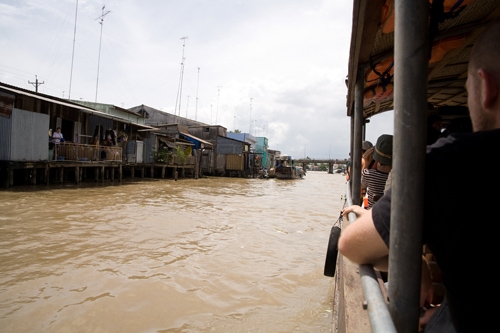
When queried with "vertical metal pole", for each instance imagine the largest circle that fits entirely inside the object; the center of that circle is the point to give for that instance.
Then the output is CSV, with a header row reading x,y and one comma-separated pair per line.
x,y
410,105
358,132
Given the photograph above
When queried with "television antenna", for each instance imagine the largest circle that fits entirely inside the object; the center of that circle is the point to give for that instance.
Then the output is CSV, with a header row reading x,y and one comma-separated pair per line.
x,y
101,18
73,53
197,85
179,90
217,111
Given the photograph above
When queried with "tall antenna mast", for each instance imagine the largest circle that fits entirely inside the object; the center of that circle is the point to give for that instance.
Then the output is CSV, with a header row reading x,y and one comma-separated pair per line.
x,y
217,111
250,126
179,90
73,54
197,85
101,18
187,106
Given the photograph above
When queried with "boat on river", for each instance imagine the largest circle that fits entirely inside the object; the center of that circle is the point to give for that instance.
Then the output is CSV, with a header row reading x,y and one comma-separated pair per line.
x,y
286,168
431,54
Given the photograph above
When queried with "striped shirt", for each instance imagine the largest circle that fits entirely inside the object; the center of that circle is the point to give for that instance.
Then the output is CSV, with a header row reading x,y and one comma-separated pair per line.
x,y
375,182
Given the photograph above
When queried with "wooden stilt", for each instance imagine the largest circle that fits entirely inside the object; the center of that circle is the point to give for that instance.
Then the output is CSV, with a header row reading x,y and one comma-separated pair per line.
x,y
77,175
33,177
102,174
47,174
120,172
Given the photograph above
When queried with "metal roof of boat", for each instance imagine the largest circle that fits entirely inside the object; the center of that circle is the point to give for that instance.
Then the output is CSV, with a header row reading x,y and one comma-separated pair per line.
x,y
446,77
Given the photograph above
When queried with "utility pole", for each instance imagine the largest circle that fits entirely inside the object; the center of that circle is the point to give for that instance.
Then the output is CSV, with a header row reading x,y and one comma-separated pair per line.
x,y
197,85
73,54
101,18
36,83
181,77
217,112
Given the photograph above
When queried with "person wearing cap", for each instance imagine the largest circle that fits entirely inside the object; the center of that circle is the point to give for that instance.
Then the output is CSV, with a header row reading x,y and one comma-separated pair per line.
x,y
457,217
374,178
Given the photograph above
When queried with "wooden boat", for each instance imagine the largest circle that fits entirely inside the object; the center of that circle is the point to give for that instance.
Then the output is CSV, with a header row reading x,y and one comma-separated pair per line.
x,y
286,168
430,54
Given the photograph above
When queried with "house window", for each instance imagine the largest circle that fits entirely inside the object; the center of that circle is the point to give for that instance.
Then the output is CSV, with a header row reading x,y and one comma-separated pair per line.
x,y
206,129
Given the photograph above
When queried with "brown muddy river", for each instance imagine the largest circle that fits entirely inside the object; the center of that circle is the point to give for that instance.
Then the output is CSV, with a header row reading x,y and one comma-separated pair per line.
x,y
206,255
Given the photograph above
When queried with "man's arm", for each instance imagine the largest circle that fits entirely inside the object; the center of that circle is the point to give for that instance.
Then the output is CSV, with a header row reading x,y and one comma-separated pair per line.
x,y
361,242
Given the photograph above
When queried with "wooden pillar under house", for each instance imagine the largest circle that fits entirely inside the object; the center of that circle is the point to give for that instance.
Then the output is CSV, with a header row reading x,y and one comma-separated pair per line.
x,y
120,172
33,176
102,174
163,172
10,177
61,175
47,174
77,175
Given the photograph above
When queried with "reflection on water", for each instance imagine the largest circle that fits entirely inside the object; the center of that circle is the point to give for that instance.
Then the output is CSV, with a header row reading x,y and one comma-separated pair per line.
x,y
206,255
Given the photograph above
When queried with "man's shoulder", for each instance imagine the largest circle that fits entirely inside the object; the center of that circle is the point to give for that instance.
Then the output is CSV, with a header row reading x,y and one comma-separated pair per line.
x,y
464,145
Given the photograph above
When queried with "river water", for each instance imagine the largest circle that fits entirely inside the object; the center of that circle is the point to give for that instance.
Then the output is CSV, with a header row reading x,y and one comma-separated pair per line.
x,y
206,255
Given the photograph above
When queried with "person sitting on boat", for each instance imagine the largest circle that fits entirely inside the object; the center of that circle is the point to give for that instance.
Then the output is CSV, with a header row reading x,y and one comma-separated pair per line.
x,y
452,201
375,176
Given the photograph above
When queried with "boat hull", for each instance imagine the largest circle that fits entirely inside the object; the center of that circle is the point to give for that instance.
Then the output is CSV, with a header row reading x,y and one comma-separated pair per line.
x,y
289,173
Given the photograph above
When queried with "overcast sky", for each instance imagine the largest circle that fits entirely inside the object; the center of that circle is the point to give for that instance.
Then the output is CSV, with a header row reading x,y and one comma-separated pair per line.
x,y
274,68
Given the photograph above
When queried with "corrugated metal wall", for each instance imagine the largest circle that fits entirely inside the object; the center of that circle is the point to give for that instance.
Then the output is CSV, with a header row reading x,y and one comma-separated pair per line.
x,y
29,136
149,145
235,162
5,138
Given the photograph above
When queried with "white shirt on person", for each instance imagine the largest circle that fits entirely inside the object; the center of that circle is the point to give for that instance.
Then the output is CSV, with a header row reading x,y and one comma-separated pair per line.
x,y
56,137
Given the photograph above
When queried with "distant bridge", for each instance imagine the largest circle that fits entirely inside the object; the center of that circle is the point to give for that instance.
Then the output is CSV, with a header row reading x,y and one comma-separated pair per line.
x,y
308,161
330,163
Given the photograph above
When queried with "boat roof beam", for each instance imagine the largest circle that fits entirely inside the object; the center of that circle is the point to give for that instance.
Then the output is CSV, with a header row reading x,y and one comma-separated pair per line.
x,y
358,135
411,54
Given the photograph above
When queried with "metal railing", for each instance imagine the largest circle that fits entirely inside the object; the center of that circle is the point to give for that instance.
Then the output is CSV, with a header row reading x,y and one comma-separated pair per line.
x,y
82,152
378,311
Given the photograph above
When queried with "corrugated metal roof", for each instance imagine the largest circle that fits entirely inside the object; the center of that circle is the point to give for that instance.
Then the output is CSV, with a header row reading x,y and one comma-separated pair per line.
x,y
54,100
197,139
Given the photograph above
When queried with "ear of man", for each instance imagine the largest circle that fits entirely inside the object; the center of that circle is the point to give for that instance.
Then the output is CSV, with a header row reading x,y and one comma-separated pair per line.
x,y
489,90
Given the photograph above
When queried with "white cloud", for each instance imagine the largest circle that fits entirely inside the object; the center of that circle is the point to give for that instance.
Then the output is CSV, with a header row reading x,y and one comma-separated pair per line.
x,y
289,56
